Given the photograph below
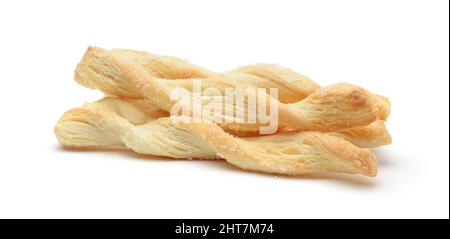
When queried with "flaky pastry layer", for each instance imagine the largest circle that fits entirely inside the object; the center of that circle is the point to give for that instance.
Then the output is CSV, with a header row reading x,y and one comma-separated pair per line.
x,y
302,105
135,124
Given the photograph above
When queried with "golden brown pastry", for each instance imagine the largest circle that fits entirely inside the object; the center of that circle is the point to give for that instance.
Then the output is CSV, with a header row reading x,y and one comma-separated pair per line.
x,y
127,123
291,85
370,136
138,74
320,129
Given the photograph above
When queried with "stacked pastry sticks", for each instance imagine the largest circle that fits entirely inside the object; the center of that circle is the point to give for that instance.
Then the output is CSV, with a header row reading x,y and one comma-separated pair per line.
x,y
321,129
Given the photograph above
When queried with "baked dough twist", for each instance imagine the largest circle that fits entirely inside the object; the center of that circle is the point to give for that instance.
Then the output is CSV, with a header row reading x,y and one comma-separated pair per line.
x,y
136,74
133,123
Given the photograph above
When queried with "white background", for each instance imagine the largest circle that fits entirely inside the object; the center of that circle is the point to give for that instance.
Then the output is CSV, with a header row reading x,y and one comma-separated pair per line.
x,y
396,48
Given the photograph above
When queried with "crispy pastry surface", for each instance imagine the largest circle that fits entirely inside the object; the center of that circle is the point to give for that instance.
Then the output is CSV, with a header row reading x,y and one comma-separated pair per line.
x,y
370,136
133,123
321,129
303,105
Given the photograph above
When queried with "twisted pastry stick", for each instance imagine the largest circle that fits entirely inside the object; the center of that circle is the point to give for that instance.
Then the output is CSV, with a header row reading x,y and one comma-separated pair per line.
x,y
139,74
120,123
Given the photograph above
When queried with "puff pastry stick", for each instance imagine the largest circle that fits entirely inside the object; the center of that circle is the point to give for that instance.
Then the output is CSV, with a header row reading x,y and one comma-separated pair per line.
x,y
120,123
139,74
